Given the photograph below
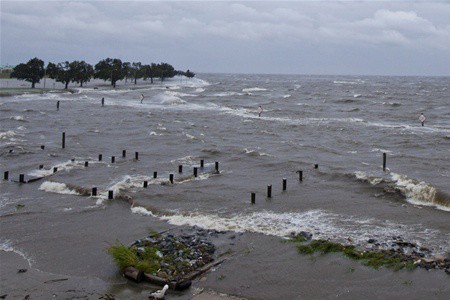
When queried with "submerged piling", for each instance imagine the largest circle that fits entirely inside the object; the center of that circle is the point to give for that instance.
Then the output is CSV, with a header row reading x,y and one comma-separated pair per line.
x,y
113,159
269,191
110,195
42,147
103,101
136,155
21,178
202,163
180,169
100,157
94,191
300,175
253,198
124,153
171,178
55,169
155,174
63,140
41,167
217,166
284,184
57,105
6,175
316,166
384,161
145,184
195,172
86,163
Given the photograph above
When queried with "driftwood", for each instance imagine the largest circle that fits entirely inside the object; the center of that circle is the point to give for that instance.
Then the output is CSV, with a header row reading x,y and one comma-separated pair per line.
x,y
179,285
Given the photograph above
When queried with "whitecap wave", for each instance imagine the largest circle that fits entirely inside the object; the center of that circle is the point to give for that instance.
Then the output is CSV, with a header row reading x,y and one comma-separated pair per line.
x,y
57,187
253,89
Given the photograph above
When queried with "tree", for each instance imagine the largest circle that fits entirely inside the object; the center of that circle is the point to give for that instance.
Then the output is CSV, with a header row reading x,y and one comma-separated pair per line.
x,y
137,71
188,73
149,71
62,72
164,70
109,69
83,72
127,70
33,71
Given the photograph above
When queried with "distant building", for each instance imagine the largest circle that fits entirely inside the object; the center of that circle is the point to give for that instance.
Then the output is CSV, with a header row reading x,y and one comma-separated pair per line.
x,y
6,69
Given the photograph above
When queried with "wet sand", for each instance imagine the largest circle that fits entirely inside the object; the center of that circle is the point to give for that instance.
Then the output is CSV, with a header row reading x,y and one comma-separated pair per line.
x,y
74,265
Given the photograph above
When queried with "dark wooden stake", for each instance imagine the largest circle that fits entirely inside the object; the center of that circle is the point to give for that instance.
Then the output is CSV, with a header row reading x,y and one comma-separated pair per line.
x,y
110,194
202,163
103,101
57,105
195,171
253,198
6,175
300,175
155,174
124,153
100,157
63,140
269,191
86,163
180,169
55,169
384,161
316,166
284,184
94,191
136,155
42,147
171,178
145,183
113,159
21,178
217,166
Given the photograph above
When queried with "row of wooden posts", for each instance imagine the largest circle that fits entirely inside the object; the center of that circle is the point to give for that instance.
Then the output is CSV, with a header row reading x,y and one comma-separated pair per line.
x,y
57,103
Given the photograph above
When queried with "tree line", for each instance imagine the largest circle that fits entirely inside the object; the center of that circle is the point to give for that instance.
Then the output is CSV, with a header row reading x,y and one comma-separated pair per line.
x,y
109,69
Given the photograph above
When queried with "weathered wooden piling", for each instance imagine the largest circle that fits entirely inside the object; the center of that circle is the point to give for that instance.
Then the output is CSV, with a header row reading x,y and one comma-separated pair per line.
x,y
100,157
86,163
202,163
6,175
316,166
269,191
145,183
94,191
133,274
300,175
57,105
180,169
217,166
136,155
21,178
55,169
384,161
155,175
41,167
171,178
63,140
284,184
42,147
253,198
195,171
103,101
113,159
124,153
110,195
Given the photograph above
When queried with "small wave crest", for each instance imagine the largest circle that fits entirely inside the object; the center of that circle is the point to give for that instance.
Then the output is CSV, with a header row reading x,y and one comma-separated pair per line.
x,y
57,187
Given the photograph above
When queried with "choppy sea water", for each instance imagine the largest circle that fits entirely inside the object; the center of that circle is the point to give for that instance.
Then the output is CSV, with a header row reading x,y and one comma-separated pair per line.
x,y
343,124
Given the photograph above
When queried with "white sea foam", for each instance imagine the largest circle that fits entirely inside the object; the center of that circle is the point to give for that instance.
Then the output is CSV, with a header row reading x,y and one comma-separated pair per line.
x,y
56,187
6,246
141,211
7,134
287,96
322,224
64,166
365,177
417,192
254,89
227,94
17,118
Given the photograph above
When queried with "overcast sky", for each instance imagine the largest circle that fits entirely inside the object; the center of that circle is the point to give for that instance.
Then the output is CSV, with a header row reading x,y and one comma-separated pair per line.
x,y
292,37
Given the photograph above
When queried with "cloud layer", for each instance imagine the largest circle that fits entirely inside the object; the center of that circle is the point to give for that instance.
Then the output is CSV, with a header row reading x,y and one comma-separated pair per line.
x,y
268,37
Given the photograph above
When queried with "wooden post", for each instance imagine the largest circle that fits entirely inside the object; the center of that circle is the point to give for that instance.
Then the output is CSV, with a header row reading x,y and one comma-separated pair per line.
x,y
300,175
41,167
86,163
21,178
110,195
57,105
316,166
6,175
202,163
124,153
253,198
217,166
384,161
180,169
42,147
99,157
195,171
55,169
113,159
171,178
155,174
284,184
145,184
103,101
136,155
269,191
63,140
94,191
